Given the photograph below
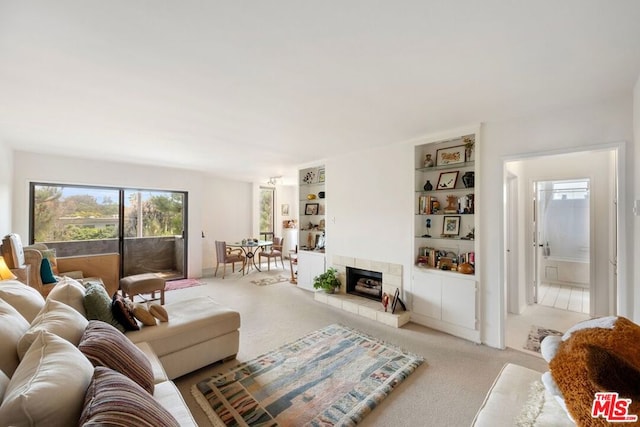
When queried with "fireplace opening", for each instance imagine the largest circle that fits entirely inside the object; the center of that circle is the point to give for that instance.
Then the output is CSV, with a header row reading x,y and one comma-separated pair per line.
x,y
364,283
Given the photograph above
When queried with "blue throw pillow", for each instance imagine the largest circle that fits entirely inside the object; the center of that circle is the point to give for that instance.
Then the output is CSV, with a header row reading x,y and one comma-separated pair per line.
x,y
46,272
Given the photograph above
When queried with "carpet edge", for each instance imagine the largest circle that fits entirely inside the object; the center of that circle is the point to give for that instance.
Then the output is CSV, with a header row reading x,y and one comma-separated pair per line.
x,y
206,408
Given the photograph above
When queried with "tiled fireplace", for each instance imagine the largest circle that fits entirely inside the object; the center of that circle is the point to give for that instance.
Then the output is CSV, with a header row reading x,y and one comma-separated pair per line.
x,y
367,276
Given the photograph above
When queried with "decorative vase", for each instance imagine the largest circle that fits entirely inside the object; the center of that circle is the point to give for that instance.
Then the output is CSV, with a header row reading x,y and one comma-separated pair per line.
x,y
428,186
468,179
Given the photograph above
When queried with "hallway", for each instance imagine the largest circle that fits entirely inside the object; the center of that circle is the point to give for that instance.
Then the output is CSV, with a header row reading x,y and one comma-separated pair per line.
x,y
552,312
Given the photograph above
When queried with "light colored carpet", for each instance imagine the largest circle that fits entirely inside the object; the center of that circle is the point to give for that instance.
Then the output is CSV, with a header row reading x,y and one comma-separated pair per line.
x,y
447,393
331,377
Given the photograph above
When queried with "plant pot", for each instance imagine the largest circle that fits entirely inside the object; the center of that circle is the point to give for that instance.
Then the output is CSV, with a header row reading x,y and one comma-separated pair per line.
x,y
330,291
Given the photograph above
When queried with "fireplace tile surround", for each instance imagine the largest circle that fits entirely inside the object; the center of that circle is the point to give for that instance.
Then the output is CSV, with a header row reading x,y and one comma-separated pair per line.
x,y
391,280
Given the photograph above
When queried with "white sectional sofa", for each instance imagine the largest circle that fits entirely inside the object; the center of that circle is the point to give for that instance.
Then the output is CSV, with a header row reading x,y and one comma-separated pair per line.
x,y
45,379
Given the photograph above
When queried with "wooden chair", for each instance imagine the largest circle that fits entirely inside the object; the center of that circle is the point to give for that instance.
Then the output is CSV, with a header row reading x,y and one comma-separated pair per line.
x,y
226,256
274,252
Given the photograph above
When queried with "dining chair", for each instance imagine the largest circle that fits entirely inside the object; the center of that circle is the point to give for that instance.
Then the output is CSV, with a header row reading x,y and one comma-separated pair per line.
x,y
274,252
226,256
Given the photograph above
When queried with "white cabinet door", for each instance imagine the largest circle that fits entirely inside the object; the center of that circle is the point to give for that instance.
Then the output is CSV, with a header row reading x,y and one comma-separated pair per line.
x,y
459,301
310,265
427,295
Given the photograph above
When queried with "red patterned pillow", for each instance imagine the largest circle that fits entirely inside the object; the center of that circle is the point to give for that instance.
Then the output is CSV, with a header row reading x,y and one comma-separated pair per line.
x,y
113,399
105,346
123,312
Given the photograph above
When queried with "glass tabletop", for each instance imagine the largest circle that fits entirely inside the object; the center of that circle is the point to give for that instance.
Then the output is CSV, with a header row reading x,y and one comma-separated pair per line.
x,y
250,244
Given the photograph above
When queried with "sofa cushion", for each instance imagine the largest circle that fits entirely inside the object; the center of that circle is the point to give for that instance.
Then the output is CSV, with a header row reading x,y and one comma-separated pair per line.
x,y
168,395
97,304
159,375
59,319
113,399
23,298
4,383
12,329
70,292
142,314
48,386
123,312
106,346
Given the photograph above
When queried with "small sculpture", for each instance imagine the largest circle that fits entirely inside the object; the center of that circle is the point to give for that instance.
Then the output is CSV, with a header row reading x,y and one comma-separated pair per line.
x,y
428,161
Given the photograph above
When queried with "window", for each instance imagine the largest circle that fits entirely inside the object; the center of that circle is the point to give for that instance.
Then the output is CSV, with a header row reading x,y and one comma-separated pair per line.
x,y
146,227
267,216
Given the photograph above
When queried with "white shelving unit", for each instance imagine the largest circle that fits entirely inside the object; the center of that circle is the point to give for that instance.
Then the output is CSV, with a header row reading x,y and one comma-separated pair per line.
x,y
445,285
311,220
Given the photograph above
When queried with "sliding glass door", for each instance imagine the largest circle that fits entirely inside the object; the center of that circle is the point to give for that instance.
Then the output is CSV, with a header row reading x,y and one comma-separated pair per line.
x,y
146,227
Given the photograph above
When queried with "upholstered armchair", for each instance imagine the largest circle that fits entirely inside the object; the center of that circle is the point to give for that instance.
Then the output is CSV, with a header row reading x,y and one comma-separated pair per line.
x,y
275,252
226,256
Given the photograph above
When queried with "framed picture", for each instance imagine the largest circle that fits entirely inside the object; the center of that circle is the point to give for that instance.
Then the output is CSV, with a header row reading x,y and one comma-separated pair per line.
x,y
321,175
447,180
285,210
450,155
451,225
311,209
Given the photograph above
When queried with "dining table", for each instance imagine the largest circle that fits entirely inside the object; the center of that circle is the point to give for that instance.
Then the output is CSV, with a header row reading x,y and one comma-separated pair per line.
x,y
249,249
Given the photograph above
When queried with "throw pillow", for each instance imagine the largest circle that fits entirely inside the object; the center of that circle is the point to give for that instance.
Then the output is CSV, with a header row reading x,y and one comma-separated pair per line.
x,y
103,345
70,292
50,254
113,399
159,312
123,312
23,298
13,327
142,314
59,319
97,305
46,272
48,387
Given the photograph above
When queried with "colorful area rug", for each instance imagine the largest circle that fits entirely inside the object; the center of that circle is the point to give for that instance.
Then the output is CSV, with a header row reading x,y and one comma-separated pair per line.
x,y
172,285
271,280
536,335
331,377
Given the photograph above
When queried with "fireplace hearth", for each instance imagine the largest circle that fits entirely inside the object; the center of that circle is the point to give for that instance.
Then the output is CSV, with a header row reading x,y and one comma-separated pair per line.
x,y
364,283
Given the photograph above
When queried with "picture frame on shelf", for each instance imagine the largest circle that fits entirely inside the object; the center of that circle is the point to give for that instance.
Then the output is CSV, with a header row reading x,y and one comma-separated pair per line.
x,y
451,225
450,155
447,180
311,209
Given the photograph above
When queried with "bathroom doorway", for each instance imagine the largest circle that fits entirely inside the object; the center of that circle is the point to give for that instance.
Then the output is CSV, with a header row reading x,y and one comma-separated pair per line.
x,y
562,242
590,178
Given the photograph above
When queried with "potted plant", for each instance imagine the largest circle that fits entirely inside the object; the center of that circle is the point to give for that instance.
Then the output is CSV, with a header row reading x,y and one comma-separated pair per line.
x,y
327,281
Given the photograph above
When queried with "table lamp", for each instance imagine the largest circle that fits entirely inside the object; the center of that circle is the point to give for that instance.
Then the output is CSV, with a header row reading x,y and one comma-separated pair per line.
x,y
5,273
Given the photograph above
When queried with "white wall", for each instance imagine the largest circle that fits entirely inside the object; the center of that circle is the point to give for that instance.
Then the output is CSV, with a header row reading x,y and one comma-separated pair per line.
x,y
227,214
634,175
30,167
369,213
6,177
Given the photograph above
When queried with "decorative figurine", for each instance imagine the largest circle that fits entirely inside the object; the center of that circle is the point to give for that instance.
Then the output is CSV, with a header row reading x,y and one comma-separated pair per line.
x,y
428,161
428,186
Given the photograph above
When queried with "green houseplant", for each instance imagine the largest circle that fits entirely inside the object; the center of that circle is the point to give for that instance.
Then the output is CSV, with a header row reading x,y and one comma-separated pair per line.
x,y
327,281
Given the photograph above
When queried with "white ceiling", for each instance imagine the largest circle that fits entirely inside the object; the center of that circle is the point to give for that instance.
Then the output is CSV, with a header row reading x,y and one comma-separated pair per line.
x,y
250,89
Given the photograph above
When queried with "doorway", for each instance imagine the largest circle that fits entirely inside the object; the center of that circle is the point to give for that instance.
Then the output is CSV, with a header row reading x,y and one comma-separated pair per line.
x,y
530,264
